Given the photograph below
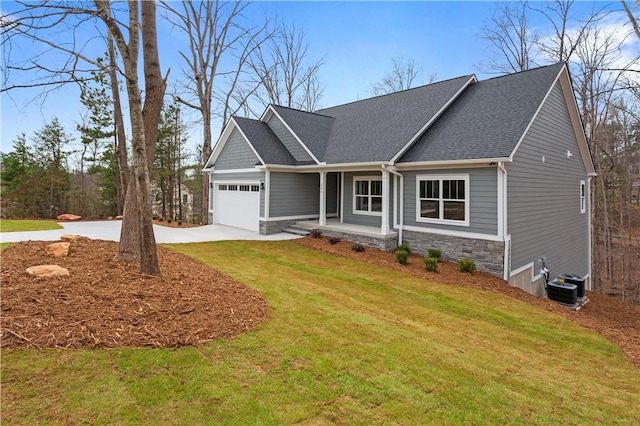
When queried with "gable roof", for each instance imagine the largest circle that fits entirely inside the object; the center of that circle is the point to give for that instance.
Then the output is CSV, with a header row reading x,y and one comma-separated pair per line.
x,y
265,142
376,129
312,128
488,120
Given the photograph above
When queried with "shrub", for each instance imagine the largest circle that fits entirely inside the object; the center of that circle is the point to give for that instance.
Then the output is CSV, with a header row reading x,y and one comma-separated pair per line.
x,y
434,252
316,233
466,265
403,246
402,256
431,264
334,240
357,248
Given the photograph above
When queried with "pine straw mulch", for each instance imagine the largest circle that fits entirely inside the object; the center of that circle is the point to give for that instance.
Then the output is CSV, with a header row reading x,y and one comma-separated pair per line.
x,y
617,321
105,303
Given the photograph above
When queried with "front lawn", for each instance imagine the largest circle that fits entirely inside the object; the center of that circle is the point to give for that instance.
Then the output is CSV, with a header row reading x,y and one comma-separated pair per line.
x,y
27,225
346,342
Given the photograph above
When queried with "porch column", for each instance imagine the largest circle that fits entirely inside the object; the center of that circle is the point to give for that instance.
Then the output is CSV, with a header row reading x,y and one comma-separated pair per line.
x,y
384,229
323,199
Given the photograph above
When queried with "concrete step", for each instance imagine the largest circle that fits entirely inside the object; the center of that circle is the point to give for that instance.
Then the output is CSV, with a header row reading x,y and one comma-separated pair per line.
x,y
296,230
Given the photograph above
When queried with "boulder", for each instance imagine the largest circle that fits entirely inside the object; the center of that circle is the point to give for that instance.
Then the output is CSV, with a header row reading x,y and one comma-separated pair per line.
x,y
68,216
119,217
47,271
58,249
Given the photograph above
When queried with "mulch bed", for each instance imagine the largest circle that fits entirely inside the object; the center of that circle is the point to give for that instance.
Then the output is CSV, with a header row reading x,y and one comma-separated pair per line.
x,y
617,321
105,303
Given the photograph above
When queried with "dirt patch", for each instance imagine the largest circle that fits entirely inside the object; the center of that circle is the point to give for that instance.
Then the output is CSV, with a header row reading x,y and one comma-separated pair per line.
x,y
617,321
175,224
104,303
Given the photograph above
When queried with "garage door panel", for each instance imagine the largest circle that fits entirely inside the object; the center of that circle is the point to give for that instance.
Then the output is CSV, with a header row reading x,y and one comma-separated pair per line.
x,y
238,205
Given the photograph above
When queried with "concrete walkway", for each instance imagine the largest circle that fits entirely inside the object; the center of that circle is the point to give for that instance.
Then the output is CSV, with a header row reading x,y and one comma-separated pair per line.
x,y
110,230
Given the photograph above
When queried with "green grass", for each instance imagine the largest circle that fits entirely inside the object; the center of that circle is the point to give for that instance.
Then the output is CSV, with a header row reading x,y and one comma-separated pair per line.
x,y
27,225
345,342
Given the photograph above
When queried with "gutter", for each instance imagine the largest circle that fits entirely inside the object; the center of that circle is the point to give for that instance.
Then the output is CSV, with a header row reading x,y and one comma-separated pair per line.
x,y
395,206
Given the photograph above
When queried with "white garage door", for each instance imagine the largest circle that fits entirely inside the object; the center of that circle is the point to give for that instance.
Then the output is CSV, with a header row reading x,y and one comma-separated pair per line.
x,y
238,205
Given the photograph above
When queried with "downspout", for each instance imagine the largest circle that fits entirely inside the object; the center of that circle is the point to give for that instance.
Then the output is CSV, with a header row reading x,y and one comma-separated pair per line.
x,y
589,248
395,208
505,238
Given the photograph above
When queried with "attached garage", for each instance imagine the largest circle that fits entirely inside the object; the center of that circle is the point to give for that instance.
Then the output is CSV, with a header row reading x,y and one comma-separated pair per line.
x,y
237,205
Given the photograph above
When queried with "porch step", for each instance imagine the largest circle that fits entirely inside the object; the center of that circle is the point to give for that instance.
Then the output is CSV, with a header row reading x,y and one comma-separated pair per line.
x,y
297,230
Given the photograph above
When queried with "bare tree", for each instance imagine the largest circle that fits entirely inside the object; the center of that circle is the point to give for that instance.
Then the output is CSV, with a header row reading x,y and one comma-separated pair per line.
x,y
215,30
401,77
510,35
36,21
285,73
562,44
632,19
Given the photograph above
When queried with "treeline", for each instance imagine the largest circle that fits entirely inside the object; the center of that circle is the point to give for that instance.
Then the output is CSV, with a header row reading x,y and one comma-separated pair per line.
x,y
50,173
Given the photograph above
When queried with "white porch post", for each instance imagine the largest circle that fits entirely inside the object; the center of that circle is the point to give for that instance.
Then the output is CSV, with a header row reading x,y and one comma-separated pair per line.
x,y
384,228
323,199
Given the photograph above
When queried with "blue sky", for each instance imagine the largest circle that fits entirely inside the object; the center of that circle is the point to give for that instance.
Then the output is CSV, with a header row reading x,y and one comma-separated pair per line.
x,y
357,40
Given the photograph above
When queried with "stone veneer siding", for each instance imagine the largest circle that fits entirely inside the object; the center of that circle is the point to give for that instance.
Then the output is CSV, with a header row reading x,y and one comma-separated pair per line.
x,y
385,243
274,227
488,255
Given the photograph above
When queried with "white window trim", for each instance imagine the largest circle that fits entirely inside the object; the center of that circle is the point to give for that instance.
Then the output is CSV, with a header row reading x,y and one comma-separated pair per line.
x,y
353,203
441,177
583,198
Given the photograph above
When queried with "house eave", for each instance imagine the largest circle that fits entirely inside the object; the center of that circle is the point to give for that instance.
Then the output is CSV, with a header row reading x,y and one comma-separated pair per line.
x,y
475,162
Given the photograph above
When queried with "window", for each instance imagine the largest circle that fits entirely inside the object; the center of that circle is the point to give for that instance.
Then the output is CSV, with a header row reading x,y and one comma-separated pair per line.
x,y
583,197
443,199
255,188
222,187
185,198
245,188
367,195
233,187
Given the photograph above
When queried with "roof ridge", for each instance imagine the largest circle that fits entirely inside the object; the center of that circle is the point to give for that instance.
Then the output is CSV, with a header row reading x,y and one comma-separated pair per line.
x,y
524,71
467,76
301,110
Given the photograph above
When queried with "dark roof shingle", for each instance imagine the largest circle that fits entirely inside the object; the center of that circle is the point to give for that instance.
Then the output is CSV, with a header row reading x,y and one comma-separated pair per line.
x,y
487,120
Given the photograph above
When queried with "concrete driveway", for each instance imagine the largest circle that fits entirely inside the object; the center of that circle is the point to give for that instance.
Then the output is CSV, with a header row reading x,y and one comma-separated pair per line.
x,y
110,231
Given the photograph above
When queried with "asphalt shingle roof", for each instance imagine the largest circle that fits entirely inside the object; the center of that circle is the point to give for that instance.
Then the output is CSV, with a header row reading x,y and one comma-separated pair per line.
x,y
265,142
488,120
375,129
313,129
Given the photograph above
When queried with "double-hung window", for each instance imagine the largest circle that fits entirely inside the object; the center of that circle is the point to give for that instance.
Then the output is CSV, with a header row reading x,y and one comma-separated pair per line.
x,y
367,195
443,199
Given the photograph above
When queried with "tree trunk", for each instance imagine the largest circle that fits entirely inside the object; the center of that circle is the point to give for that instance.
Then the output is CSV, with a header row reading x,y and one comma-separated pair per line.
x,y
121,139
206,153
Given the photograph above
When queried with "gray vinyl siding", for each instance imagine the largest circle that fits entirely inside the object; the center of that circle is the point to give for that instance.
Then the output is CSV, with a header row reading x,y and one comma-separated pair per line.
x,y
543,198
362,219
483,193
253,177
236,154
294,194
288,140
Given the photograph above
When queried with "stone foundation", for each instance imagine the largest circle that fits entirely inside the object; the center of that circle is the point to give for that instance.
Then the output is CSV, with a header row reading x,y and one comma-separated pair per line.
x,y
380,242
275,227
488,255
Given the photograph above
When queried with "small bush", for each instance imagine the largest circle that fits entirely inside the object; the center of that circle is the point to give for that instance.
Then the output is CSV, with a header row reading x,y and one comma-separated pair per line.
x,y
357,248
431,264
466,265
334,240
316,233
403,246
434,252
402,256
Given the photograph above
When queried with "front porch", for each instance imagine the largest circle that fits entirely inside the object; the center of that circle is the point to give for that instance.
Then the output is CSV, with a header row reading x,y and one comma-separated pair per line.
x,y
371,236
